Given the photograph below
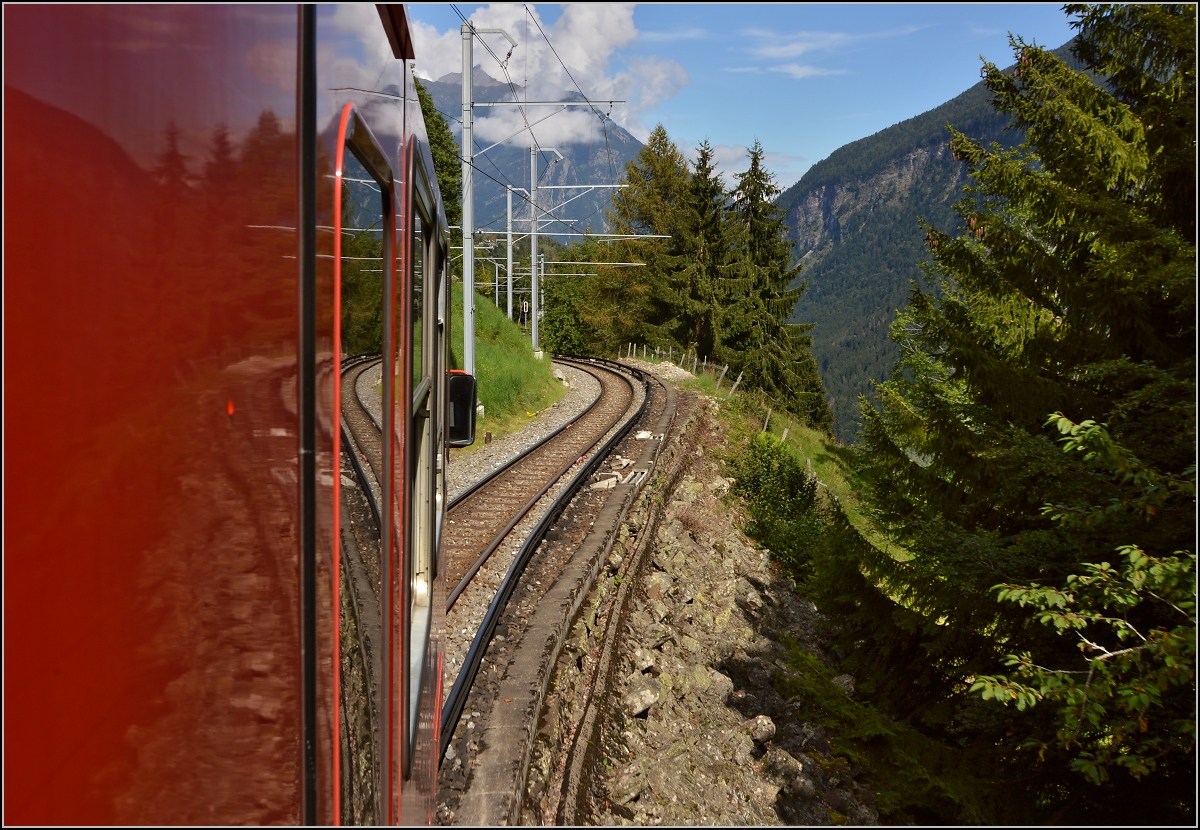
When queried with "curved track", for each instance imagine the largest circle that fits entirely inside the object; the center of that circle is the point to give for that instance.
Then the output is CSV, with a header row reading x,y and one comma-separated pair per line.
x,y
579,447
487,757
479,520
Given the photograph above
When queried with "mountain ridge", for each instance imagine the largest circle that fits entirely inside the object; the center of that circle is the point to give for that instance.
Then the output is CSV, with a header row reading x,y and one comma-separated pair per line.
x,y
854,218
598,162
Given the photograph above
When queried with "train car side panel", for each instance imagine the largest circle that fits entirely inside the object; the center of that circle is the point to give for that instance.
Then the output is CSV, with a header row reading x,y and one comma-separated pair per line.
x,y
150,334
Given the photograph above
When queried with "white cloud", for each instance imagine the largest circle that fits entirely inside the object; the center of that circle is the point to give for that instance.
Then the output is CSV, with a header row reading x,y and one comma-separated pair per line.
x,y
586,56
798,72
985,31
771,45
781,45
438,53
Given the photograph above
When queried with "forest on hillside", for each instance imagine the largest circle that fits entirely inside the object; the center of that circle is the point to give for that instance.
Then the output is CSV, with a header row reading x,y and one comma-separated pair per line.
x,y
856,220
712,276
1028,603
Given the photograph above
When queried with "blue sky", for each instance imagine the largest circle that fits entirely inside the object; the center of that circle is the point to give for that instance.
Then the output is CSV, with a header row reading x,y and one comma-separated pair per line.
x,y
804,79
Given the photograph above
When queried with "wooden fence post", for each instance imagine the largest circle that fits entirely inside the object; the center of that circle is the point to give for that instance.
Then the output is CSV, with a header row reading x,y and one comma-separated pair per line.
x,y
784,438
767,420
721,378
735,385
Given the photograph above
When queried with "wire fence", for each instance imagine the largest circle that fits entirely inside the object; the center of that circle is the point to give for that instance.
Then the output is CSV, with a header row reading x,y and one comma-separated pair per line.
x,y
754,404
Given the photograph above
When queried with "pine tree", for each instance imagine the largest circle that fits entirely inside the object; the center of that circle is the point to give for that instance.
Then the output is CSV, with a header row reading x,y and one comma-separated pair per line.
x,y
563,330
1069,289
642,300
171,172
752,334
447,159
704,239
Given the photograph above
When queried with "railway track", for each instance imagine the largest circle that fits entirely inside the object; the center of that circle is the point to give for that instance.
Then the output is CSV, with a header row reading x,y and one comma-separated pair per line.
x,y
481,518
484,769
536,486
507,512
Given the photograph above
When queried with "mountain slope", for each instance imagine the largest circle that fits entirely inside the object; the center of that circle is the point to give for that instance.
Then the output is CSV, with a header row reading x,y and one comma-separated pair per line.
x,y
598,162
854,218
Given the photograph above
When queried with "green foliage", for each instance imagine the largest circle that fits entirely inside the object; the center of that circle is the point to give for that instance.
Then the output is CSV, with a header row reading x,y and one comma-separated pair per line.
x,y
856,284
705,239
512,384
718,285
447,158
1132,701
362,290
640,300
915,779
1069,287
862,245
781,499
563,330
752,333
1123,709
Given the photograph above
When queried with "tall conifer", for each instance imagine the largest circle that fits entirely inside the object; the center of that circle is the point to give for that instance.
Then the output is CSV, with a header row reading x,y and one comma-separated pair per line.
x,y
1069,288
705,239
643,304
755,301
447,158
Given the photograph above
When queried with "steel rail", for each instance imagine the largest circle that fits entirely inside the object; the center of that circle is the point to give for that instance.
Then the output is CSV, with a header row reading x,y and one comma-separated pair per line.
x,y
504,468
457,697
553,479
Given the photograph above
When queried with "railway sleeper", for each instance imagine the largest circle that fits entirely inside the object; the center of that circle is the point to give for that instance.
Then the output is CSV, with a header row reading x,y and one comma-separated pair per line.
x,y
506,738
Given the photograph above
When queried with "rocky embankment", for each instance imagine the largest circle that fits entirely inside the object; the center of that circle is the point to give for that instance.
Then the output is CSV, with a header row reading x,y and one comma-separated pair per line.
x,y
693,729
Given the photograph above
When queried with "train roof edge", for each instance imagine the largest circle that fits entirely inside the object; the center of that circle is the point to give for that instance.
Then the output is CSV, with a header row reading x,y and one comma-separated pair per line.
x,y
395,23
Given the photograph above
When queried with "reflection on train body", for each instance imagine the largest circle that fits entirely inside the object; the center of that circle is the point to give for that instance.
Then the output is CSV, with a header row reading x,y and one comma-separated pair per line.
x,y
191,248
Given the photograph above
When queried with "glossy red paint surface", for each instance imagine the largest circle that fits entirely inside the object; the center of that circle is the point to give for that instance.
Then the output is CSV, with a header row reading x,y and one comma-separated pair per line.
x,y
150,305
152,655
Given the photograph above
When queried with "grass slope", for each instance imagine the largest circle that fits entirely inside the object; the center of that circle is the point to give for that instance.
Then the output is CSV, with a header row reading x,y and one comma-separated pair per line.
x,y
513,385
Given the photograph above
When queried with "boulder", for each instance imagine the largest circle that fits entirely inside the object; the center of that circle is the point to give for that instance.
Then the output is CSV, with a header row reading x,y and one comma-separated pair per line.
x,y
761,728
657,584
722,685
643,693
627,785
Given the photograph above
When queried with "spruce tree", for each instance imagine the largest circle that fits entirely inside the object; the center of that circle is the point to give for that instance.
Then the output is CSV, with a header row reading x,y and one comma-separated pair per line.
x,y
751,331
447,158
705,241
1069,289
652,203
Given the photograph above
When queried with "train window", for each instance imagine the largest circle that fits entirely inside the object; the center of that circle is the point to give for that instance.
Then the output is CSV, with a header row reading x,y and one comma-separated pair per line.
x,y
365,223
423,536
362,260
418,304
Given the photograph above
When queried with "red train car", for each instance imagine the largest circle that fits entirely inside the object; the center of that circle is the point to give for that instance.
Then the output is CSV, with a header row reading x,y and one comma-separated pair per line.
x,y
177,184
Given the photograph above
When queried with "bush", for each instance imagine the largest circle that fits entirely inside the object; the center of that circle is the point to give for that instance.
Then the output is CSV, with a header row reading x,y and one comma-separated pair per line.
x,y
781,498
